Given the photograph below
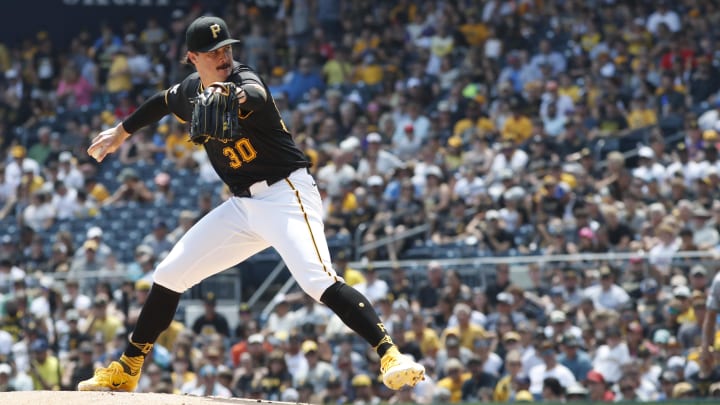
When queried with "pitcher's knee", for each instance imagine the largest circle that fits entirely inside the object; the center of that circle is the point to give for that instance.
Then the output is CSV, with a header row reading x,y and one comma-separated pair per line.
x,y
169,279
315,288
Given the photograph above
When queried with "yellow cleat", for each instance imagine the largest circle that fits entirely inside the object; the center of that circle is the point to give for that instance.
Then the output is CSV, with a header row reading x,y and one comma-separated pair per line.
x,y
399,371
113,378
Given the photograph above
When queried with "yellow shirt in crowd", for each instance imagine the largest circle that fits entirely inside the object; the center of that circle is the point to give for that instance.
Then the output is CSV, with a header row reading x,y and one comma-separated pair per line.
x,y
454,386
429,342
517,129
49,373
467,336
641,118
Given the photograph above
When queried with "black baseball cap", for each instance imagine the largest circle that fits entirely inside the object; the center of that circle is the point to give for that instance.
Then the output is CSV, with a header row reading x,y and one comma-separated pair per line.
x,y
207,34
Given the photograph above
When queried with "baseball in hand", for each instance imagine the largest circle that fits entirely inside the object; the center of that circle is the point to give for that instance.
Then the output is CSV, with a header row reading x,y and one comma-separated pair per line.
x,y
97,153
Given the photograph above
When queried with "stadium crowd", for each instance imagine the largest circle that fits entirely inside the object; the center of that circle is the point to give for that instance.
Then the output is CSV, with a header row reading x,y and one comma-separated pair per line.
x,y
509,128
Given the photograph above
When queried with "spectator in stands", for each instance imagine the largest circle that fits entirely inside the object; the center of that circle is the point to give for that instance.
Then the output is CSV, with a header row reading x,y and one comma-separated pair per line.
x,y
209,385
132,189
481,383
282,319
211,321
550,368
426,337
163,193
574,357
607,295
102,324
83,367
374,288
40,213
454,379
158,238
319,373
44,367
73,90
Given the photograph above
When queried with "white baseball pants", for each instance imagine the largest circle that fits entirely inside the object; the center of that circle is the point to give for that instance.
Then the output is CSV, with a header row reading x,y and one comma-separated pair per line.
x,y
286,215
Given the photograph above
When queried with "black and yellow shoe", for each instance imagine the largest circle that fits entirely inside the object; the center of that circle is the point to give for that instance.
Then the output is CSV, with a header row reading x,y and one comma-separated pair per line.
x,y
399,370
118,376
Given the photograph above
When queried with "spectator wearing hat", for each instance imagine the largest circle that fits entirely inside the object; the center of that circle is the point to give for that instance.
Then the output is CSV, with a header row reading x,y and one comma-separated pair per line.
x,y
132,188
68,171
598,388
138,293
452,349
95,233
44,367
607,294
549,368
142,266
89,261
690,332
209,385
318,372
681,296
101,321
425,336
573,357
83,367
611,356
19,164
559,326
211,321
572,292
276,378
480,385
158,239
376,160
466,331
363,393
504,308
648,166
504,389
454,379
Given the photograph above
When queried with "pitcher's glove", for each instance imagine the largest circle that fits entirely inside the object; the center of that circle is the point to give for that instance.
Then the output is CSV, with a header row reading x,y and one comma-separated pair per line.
x,y
215,113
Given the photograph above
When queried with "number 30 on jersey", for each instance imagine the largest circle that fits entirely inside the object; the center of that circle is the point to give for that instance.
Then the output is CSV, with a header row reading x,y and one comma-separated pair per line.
x,y
240,152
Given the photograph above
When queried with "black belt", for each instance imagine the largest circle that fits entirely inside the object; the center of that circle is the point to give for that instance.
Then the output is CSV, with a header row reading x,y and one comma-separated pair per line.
x,y
245,192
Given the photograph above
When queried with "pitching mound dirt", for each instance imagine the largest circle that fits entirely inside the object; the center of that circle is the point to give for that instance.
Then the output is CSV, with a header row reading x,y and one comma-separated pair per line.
x,y
116,398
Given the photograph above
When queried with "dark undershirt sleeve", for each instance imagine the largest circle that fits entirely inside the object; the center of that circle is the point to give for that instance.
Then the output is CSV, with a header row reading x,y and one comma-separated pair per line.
x,y
151,111
256,98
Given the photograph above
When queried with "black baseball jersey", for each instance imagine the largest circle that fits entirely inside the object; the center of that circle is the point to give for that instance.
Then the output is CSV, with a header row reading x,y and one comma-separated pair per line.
x,y
261,149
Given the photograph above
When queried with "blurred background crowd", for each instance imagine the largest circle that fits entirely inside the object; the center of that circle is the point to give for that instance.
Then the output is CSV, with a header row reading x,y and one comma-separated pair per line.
x,y
437,130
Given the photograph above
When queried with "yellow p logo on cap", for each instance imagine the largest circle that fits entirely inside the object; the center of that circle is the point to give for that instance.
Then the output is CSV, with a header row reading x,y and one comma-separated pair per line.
x,y
215,29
